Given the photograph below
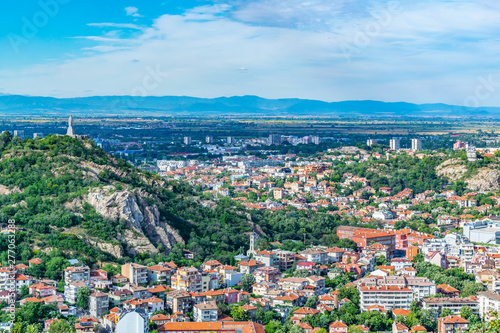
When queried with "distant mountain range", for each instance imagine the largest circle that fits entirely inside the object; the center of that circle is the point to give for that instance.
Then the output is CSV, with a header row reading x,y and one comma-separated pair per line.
x,y
241,105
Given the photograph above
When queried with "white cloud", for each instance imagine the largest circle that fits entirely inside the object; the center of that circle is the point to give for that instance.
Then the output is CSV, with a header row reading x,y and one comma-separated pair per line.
x,y
132,11
116,25
429,51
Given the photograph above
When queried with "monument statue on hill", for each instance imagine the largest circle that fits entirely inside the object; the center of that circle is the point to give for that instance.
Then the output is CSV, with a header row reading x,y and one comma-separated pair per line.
x,y
71,131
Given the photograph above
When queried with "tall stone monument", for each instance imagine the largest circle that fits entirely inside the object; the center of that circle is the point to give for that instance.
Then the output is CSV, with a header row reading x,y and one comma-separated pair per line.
x,y
71,131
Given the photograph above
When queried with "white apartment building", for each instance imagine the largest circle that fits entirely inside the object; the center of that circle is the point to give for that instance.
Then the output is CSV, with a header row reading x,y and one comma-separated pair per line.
x,y
455,304
7,278
488,301
71,291
421,286
206,311
390,297
395,144
314,255
75,274
416,144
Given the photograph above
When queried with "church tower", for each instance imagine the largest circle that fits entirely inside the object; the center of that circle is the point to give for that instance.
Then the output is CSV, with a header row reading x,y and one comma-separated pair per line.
x,y
254,237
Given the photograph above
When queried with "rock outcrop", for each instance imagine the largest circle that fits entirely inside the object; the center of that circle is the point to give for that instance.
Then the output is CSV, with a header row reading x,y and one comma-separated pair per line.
x,y
481,180
485,180
136,242
115,250
142,217
4,190
453,169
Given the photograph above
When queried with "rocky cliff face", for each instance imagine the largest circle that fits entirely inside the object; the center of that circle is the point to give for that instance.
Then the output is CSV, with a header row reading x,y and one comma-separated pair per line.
x,y
485,180
115,250
482,180
452,169
147,228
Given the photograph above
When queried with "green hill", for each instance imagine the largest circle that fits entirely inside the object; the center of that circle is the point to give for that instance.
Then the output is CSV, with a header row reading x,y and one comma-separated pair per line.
x,y
67,194
72,200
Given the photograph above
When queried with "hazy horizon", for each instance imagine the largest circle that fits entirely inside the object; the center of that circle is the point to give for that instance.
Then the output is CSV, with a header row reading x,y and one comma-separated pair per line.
x,y
391,51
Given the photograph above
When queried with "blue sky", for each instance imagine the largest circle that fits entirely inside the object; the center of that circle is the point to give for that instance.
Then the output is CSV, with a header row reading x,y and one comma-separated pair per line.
x,y
415,51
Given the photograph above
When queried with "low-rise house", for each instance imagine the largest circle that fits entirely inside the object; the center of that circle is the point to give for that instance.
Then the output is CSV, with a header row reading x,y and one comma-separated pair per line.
x,y
40,289
67,310
305,327
407,271
267,274
452,324
22,280
158,291
251,310
338,327
109,320
7,296
328,300
419,329
314,255
210,265
117,297
160,273
266,289
290,300
308,266
86,324
138,291
119,279
53,299
99,278
293,283
377,249
267,257
400,263
215,295
48,322
34,261
318,282
160,319
334,254
400,312
149,305
301,313
390,270
436,258
447,290
24,301
232,295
